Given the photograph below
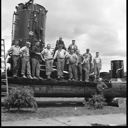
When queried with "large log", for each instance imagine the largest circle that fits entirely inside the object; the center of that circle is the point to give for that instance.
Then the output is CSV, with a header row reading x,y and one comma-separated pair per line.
x,y
64,88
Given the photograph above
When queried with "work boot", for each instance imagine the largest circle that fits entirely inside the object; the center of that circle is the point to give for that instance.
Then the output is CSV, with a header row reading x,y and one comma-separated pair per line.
x,y
35,77
86,80
48,77
24,76
58,78
80,79
29,76
40,78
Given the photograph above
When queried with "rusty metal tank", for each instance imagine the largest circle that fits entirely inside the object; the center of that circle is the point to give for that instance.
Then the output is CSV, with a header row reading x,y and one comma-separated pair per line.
x,y
29,23
117,69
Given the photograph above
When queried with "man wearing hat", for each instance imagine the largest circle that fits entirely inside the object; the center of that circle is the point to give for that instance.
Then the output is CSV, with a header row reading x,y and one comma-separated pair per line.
x,y
15,54
89,57
26,60
73,46
58,42
97,65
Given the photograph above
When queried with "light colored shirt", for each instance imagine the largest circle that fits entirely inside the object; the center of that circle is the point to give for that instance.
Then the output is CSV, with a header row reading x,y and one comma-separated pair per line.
x,y
25,51
60,54
80,58
89,56
15,50
97,60
86,60
48,53
73,58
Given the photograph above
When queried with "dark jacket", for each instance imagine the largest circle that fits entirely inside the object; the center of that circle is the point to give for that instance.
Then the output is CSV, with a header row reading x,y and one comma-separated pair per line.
x,y
36,49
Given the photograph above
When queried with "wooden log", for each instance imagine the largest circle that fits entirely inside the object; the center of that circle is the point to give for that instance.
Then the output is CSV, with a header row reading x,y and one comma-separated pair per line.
x,y
64,88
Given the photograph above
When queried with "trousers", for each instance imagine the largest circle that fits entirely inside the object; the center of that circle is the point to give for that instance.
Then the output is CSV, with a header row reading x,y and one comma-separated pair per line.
x,y
80,71
16,60
26,65
35,67
73,71
86,68
97,68
60,67
49,64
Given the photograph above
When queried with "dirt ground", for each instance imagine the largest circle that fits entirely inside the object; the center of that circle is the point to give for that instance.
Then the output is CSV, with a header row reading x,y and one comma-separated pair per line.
x,y
51,109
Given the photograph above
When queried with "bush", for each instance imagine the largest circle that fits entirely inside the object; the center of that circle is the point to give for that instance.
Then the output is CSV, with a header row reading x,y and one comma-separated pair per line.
x,y
20,97
97,101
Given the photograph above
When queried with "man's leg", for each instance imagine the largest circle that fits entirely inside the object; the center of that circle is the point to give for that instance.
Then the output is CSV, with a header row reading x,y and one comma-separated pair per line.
x,y
51,64
28,68
15,65
62,66
70,71
58,68
95,71
23,66
86,74
80,71
74,71
33,67
37,68
48,69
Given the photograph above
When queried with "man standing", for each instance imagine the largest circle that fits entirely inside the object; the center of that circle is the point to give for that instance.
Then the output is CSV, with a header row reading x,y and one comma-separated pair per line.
x,y
48,56
89,57
36,58
97,65
73,62
58,42
79,67
86,67
60,55
26,60
73,46
15,52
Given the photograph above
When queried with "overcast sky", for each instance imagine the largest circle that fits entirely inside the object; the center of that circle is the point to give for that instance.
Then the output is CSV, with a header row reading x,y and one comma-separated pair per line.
x,y
96,24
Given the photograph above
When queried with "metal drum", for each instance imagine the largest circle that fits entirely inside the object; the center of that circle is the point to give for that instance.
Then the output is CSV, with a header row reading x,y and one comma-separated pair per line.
x,y
29,23
117,69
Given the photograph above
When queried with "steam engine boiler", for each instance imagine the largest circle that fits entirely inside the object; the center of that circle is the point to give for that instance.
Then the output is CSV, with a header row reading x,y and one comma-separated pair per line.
x,y
29,21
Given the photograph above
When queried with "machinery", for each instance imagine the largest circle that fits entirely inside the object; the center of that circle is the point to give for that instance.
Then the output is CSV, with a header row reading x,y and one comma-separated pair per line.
x,y
29,25
29,21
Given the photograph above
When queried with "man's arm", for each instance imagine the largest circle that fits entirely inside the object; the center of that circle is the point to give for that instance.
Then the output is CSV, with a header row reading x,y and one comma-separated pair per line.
x,y
34,51
90,57
43,52
8,52
55,55
100,63
69,47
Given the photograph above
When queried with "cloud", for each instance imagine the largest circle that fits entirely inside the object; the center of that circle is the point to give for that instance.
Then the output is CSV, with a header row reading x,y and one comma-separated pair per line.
x,y
96,24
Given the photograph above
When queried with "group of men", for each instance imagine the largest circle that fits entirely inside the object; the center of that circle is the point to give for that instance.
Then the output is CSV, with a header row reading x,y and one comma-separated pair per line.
x,y
31,56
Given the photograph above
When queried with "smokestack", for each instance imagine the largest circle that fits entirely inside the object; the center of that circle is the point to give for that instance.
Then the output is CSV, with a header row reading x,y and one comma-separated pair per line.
x,y
117,69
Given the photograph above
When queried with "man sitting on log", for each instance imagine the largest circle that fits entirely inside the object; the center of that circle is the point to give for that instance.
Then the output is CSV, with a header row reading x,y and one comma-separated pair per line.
x,y
101,86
